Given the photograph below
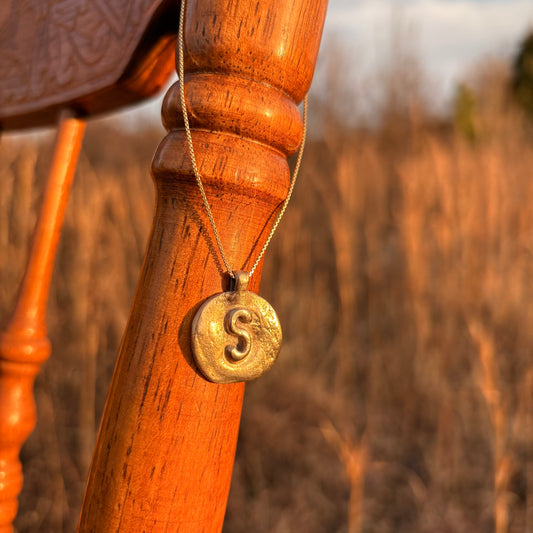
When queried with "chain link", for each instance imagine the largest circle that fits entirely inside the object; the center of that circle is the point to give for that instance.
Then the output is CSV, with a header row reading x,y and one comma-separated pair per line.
x,y
181,74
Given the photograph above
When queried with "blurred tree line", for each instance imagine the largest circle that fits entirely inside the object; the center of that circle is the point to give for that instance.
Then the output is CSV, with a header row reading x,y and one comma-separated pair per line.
x,y
523,75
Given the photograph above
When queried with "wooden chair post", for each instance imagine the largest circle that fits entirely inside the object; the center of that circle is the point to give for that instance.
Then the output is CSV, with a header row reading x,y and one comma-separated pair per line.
x,y
24,344
165,449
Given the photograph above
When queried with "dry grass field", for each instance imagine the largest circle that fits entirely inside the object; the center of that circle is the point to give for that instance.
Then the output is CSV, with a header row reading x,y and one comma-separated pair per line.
x,y
403,277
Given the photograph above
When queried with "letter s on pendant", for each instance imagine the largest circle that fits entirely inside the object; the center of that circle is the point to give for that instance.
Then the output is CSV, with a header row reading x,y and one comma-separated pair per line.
x,y
233,320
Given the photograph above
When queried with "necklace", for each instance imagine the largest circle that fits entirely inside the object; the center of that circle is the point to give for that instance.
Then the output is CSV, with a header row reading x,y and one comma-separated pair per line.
x,y
236,335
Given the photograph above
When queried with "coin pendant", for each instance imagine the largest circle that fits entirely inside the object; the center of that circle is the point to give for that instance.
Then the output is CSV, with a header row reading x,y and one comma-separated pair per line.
x,y
236,335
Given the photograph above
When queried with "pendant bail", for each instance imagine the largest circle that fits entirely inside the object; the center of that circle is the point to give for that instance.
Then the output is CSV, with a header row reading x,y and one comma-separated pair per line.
x,y
240,281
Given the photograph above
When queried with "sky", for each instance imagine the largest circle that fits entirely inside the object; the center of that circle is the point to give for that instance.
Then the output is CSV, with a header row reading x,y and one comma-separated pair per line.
x,y
448,36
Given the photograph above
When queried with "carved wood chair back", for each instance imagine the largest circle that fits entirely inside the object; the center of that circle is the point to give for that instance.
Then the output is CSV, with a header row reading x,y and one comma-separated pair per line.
x,y
90,56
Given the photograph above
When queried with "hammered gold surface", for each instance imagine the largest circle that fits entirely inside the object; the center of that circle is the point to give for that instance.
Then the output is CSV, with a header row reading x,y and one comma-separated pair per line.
x,y
236,336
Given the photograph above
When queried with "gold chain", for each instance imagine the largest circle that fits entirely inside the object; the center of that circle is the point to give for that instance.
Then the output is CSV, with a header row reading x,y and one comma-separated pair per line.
x,y
181,72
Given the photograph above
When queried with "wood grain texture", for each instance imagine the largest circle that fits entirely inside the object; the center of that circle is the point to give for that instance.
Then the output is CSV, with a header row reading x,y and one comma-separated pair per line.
x,y
91,55
165,449
24,344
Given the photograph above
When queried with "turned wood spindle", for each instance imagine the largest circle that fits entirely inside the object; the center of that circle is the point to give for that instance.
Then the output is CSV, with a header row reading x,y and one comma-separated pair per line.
x,y
165,449
24,344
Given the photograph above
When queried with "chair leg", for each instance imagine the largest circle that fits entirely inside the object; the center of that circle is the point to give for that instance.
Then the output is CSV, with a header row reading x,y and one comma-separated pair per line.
x,y
164,454
24,344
